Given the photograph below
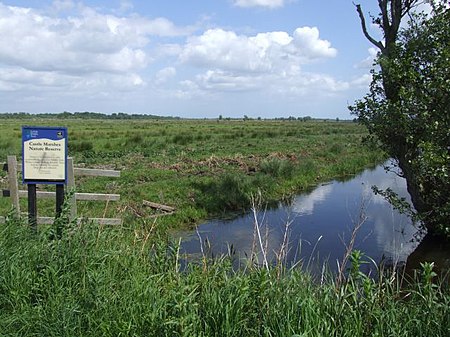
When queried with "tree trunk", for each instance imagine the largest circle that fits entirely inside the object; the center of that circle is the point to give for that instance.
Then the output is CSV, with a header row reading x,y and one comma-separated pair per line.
x,y
391,14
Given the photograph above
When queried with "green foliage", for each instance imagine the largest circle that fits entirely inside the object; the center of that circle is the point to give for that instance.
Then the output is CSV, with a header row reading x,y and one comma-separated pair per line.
x,y
413,125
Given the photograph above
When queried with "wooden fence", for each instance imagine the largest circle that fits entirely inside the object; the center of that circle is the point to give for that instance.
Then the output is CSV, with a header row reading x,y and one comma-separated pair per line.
x,y
13,167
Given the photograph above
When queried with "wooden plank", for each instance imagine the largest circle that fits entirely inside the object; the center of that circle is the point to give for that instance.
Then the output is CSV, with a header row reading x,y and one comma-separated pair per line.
x,y
49,220
42,220
78,196
158,206
39,194
80,171
13,185
153,216
105,221
97,196
96,172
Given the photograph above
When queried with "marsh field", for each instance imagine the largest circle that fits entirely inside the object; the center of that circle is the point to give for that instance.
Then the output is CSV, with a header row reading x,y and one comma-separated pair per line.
x,y
203,168
127,280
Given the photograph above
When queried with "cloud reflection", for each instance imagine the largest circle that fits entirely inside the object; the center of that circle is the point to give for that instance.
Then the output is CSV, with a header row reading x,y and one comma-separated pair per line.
x,y
304,204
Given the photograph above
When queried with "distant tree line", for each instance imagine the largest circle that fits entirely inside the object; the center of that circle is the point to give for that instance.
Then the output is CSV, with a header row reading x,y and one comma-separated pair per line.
x,y
83,115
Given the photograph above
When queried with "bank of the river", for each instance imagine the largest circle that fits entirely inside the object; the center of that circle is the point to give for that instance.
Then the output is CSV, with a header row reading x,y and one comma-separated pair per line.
x,y
119,282
204,168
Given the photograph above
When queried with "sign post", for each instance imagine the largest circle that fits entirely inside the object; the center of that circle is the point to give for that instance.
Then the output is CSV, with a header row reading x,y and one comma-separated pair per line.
x,y
44,153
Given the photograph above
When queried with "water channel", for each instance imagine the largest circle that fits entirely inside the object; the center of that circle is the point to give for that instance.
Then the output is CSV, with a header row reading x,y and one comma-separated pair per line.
x,y
320,226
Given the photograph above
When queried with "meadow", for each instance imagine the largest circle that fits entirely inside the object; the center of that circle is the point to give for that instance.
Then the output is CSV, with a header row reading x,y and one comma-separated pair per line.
x,y
129,281
204,168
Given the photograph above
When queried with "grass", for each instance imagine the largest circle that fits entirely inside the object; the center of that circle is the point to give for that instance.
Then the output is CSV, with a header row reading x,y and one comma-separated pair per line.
x,y
205,168
128,282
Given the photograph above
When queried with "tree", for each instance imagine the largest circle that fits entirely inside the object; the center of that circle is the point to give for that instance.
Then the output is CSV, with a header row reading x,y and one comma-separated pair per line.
x,y
407,108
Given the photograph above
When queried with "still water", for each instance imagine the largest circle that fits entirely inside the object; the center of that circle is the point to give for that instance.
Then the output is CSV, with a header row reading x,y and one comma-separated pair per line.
x,y
320,225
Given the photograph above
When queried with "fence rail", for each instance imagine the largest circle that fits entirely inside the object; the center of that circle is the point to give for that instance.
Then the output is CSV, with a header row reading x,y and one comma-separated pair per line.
x,y
12,166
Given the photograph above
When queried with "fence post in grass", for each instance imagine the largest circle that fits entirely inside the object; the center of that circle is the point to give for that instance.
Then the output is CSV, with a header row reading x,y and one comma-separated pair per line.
x,y
13,185
32,207
71,188
59,206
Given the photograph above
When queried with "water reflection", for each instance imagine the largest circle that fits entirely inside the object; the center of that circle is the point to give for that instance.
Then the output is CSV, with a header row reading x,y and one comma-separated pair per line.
x,y
320,226
304,204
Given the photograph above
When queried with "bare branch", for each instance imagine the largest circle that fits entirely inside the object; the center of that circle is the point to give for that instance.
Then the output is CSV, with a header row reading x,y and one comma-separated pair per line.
x,y
376,43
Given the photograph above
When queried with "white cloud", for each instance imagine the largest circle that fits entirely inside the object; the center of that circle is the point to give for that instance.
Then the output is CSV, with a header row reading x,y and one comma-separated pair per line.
x,y
259,3
63,5
362,81
89,42
267,61
219,80
309,45
39,51
367,63
165,74
263,52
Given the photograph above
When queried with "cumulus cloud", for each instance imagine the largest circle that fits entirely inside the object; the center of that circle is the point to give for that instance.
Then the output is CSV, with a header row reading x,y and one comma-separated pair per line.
x,y
309,45
260,53
259,3
270,60
86,48
367,63
165,74
362,81
63,5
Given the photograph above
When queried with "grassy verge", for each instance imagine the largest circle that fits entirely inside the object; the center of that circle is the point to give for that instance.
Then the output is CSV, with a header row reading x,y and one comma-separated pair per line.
x,y
127,282
204,168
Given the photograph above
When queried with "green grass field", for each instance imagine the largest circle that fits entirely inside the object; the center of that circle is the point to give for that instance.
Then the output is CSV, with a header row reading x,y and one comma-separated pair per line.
x,y
204,168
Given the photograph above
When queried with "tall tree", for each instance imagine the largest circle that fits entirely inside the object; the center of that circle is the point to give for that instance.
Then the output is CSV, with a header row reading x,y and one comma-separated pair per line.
x,y
407,107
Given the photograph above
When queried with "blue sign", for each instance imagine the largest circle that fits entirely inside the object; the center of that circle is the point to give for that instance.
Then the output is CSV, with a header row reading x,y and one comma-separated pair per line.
x,y
44,155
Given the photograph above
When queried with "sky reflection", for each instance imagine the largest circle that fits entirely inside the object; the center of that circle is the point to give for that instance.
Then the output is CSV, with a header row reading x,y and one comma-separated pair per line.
x,y
320,225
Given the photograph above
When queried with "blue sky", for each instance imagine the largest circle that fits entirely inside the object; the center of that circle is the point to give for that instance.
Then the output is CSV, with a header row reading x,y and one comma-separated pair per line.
x,y
191,58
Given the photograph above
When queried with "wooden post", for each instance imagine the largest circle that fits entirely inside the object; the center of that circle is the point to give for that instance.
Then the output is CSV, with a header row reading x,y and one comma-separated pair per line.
x,y
59,205
71,188
13,185
32,206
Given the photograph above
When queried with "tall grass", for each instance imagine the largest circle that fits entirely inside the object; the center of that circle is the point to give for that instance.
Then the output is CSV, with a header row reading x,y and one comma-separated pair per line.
x,y
128,282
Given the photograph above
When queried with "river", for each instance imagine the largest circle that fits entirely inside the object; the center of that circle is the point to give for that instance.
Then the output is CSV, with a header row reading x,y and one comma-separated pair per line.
x,y
315,228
